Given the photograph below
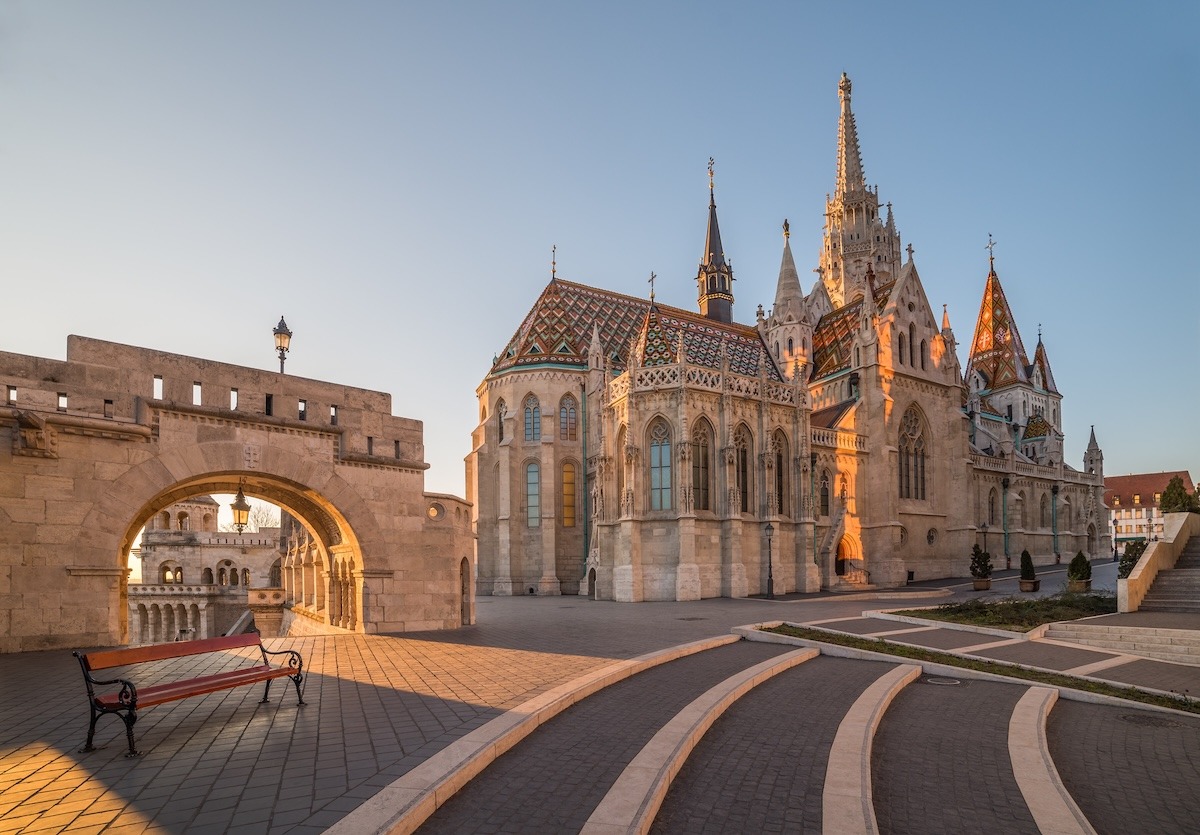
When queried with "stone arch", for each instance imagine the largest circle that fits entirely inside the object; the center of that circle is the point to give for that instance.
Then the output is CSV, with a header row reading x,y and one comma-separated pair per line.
x,y
337,516
591,584
847,551
465,601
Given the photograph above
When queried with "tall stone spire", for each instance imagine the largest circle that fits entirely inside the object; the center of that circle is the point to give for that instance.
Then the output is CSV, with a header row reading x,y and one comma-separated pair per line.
x,y
850,178
788,331
857,235
789,296
714,279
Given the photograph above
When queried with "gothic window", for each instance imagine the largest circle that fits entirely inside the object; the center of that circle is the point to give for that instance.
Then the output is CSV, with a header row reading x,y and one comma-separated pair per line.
x,y
912,456
206,576
245,576
566,419
621,442
164,521
901,349
924,351
276,574
791,346
825,492
991,515
781,479
533,495
743,452
568,495
911,331
533,419
701,459
501,409
660,466
776,350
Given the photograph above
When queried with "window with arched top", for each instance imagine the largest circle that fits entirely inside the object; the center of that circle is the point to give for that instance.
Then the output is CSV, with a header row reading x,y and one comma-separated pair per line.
x,y
501,411
991,513
276,575
222,577
245,576
568,495
824,492
911,445
781,473
533,419
911,333
791,346
185,523
206,576
702,444
1045,511
567,419
622,441
743,454
901,344
924,353
164,520
660,465
533,495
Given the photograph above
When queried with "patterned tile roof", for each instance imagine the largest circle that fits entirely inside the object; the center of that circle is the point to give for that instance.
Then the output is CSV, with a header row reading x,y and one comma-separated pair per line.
x,y
997,352
558,329
834,334
1038,427
1040,360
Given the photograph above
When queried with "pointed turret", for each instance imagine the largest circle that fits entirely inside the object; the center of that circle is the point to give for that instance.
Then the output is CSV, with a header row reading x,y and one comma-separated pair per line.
x,y
1041,363
997,353
714,280
1093,458
788,331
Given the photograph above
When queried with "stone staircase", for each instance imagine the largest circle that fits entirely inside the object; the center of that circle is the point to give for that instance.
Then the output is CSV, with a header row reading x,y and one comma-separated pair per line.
x,y
1179,645
1177,590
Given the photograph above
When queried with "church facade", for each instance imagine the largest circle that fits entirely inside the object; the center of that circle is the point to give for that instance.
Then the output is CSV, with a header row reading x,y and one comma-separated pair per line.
x,y
633,451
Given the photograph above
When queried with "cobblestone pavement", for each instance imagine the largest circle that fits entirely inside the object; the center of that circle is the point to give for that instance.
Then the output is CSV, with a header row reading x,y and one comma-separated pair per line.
x,y
940,761
1129,770
554,779
378,705
761,767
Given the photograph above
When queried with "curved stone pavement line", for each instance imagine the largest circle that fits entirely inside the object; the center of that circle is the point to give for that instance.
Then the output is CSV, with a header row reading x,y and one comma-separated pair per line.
x,y
635,798
401,807
753,632
846,803
1052,807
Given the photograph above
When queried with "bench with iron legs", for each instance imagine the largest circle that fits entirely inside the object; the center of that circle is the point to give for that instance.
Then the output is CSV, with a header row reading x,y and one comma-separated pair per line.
x,y
128,698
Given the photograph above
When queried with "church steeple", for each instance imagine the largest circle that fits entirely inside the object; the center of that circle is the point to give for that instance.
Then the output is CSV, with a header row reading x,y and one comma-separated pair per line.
x,y
714,279
850,178
857,235
788,330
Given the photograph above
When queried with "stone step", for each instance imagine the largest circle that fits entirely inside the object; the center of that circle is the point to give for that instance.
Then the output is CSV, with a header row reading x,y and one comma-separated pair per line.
x,y
1179,645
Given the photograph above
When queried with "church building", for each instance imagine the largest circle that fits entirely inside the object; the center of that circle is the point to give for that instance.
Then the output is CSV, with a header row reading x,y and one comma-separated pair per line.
x,y
633,451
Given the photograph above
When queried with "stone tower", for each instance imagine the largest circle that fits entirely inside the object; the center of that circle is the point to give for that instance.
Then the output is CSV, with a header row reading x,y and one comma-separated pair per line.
x,y
788,331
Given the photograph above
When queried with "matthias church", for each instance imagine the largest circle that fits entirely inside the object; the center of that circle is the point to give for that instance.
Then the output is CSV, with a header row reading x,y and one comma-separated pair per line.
x,y
631,451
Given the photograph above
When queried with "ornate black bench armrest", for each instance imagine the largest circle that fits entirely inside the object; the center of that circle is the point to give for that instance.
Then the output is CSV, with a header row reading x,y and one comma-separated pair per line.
x,y
127,697
294,657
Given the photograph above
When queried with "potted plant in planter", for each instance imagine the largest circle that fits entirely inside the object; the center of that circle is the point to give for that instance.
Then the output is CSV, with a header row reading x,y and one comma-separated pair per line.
x,y
981,568
1029,580
1079,574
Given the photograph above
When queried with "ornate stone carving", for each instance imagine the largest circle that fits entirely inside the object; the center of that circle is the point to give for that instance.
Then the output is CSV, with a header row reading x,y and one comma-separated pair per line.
x,y
34,438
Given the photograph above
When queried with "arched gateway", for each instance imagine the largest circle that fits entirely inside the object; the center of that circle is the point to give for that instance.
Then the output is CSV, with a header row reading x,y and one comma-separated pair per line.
x,y
96,446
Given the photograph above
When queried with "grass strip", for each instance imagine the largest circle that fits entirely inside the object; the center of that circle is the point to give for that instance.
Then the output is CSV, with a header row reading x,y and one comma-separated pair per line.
x,y
1018,614
1178,701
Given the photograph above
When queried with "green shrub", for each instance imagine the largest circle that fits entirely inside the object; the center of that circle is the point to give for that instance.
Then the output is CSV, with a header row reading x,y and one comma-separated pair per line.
x,y
981,563
1027,572
1080,568
1133,553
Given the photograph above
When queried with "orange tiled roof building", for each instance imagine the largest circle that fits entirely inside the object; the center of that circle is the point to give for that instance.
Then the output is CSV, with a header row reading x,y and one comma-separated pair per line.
x,y
630,450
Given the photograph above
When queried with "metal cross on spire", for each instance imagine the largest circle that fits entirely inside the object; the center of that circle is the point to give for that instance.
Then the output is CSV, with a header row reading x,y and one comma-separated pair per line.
x,y
991,245
711,162
652,277
553,262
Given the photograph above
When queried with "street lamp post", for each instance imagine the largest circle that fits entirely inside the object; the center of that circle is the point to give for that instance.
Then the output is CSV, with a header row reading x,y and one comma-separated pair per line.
x,y
283,341
983,526
770,531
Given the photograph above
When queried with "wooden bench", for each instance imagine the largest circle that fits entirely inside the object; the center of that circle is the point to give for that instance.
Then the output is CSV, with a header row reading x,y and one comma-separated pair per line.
x,y
129,698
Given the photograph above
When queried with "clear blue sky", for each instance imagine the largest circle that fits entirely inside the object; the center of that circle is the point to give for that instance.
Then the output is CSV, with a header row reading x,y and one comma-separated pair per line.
x,y
391,177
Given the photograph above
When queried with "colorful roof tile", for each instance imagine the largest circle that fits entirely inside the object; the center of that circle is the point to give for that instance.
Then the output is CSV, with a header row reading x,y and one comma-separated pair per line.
x,y
1038,427
997,352
558,329
834,334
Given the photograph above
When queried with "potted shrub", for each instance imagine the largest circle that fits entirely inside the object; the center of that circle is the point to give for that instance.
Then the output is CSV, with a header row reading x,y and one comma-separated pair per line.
x,y
1079,574
981,568
1029,580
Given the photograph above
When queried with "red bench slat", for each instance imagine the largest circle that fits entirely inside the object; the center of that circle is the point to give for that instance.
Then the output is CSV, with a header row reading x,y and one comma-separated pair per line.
x,y
157,694
106,659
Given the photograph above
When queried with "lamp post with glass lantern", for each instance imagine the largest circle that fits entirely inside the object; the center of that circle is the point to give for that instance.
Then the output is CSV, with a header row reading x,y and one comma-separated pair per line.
x,y
283,341
241,509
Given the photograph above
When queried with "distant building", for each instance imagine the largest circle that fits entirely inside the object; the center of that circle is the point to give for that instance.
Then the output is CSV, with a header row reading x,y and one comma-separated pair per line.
x,y
195,577
1132,502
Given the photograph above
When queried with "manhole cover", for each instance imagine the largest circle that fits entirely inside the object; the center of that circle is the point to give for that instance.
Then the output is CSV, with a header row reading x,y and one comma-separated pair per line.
x,y
943,682
1151,721
691,618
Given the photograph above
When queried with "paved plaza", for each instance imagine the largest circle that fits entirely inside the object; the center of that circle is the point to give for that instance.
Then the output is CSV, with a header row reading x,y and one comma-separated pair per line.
x,y
380,705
